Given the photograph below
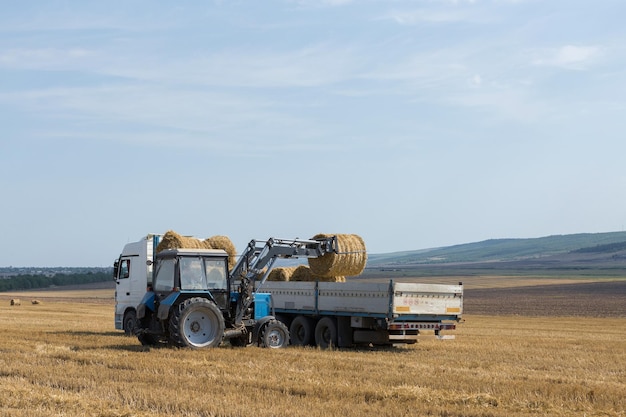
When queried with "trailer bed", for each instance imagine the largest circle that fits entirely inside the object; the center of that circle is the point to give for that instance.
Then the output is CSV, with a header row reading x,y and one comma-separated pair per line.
x,y
392,300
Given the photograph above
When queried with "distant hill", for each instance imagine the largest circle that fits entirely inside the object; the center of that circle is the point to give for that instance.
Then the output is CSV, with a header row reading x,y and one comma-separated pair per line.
x,y
583,252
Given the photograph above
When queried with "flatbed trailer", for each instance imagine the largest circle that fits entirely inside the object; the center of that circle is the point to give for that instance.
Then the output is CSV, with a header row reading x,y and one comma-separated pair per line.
x,y
167,305
355,313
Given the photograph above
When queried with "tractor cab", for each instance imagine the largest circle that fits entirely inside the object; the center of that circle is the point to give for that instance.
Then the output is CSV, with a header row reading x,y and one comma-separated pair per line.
x,y
191,272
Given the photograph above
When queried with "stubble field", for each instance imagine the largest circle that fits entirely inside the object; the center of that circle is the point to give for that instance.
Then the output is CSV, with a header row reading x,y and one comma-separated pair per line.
x,y
63,358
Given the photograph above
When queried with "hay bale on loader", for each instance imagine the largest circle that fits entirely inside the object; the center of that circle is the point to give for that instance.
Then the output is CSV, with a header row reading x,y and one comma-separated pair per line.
x,y
304,274
350,260
281,273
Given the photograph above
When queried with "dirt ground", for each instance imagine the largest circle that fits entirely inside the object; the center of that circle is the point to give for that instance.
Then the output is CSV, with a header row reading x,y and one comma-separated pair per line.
x,y
597,299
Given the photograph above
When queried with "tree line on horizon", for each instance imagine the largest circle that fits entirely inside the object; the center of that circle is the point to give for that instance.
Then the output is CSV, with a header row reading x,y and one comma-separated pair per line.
x,y
29,282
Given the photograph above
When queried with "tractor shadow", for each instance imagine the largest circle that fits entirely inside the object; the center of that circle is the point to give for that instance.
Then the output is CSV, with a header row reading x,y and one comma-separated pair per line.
x,y
132,346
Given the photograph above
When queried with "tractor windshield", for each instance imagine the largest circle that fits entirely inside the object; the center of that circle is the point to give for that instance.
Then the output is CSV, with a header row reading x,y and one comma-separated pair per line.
x,y
191,274
199,273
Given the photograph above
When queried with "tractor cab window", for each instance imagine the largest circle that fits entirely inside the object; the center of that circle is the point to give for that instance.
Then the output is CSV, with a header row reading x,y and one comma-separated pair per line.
x,y
164,275
215,273
192,274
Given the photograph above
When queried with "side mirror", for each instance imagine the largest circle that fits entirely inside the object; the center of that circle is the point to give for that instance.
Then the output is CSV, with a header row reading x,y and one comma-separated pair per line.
x,y
116,268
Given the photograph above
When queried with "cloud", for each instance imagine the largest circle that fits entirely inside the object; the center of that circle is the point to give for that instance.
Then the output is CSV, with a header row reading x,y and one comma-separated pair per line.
x,y
476,80
308,66
167,116
44,58
568,57
416,16
438,15
314,3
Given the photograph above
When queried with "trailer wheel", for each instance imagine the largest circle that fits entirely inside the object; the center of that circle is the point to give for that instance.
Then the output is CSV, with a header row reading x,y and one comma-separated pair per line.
x,y
326,333
274,335
301,331
130,322
196,323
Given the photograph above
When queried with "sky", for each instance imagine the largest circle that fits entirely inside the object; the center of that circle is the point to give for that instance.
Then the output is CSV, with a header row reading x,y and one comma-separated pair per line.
x,y
412,123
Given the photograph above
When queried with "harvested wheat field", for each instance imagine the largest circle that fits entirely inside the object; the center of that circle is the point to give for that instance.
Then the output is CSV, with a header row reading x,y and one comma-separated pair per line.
x,y
65,359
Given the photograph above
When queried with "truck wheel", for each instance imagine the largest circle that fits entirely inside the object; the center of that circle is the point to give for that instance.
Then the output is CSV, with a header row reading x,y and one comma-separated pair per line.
x,y
130,322
274,335
196,323
301,331
326,333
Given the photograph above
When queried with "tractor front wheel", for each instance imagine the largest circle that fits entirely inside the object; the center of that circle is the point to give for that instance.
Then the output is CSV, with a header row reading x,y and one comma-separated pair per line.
x,y
274,335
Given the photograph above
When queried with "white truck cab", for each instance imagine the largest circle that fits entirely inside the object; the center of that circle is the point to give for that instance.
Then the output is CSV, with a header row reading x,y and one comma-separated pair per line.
x,y
132,273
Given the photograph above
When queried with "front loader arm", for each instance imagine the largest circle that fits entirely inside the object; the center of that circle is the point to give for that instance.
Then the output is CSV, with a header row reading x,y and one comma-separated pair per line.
x,y
256,258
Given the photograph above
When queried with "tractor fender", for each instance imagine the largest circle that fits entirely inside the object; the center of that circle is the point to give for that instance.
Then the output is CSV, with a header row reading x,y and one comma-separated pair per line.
x,y
146,302
166,304
141,311
258,326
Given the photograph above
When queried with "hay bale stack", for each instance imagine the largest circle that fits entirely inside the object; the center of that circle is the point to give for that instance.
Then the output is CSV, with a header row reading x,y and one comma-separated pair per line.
x,y
224,243
350,260
304,274
281,273
172,240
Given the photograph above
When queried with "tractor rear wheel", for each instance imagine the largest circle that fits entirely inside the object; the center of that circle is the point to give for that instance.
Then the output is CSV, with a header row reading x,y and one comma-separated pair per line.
x,y
274,335
196,323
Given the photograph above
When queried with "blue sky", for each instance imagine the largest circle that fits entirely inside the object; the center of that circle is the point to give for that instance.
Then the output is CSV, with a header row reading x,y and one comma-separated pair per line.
x,y
414,124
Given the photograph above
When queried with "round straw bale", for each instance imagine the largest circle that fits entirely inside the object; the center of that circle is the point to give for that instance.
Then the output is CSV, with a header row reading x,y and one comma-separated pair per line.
x,y
172,240
281,273
350,260
304,273
223,242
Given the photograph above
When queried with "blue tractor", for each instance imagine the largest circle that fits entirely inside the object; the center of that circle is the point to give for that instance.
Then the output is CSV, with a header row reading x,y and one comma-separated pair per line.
x,y
194,301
